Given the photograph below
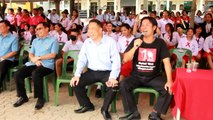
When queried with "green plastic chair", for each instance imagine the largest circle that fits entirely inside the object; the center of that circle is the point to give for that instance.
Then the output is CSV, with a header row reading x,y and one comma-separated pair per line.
x,y
180,52
61,45
113,105
146,90
25,48
65,77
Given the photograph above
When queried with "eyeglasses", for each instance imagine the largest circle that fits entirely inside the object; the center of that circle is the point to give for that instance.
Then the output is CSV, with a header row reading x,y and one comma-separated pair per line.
x,y
39,28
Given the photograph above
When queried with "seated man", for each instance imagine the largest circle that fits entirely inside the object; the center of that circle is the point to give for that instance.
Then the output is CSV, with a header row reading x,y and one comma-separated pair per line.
x,y
8,49
99,53
147,53
43,51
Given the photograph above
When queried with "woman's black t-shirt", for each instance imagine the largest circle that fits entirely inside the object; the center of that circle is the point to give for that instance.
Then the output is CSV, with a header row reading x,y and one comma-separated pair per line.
x,y
148,57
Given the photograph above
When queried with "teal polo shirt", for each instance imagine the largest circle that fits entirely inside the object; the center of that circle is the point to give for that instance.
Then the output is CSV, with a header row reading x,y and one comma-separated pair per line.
x,y
8,44
44,46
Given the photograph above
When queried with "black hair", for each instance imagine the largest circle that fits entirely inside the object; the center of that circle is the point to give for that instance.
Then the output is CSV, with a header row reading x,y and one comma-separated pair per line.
x,y
36,9
126,26
7,23
197,27
62,28
211,30
154,12
190,29
79,27
97,22
28,26
171,30
179,25
109,23
75,30
11,9
45,24
184,11
209,15
76,12
152,21
13,28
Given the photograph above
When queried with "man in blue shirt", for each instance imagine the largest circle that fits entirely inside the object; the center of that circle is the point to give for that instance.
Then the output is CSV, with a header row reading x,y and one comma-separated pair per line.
x,y
99,53
8,49
42,54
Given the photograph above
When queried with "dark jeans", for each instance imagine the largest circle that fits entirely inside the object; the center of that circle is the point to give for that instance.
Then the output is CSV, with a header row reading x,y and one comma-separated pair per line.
x,y
129,84
4,66
37,74
89,78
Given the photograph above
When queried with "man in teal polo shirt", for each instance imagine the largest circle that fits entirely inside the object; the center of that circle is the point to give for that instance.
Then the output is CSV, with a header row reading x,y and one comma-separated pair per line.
x,y
8,49
42,55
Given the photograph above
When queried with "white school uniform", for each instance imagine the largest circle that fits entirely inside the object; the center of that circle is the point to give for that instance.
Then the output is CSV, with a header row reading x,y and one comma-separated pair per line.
x,y
190,45
100,17
162,23
70,46
208,44
27,36
166,38
200,42
112,35
123,43
62,38
53,33
65,23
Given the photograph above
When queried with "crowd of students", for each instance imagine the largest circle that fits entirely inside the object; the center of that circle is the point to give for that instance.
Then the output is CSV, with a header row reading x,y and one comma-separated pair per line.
x,y
172,28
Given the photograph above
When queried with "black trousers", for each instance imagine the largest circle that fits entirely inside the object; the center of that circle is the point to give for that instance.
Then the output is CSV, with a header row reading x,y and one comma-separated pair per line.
x,y
37,74
4,66
129,84
89,78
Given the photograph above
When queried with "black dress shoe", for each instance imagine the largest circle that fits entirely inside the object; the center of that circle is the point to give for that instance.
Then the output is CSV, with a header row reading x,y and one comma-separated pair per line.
x,y
84,109
106,115
39,104
20,101
154,116
131,116
98,93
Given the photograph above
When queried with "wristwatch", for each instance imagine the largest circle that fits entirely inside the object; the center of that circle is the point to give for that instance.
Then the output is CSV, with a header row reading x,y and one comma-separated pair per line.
x,y
39,58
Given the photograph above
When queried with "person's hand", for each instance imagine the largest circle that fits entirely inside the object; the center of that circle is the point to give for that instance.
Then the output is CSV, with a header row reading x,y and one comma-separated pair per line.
x,y
74,81
137,43
168,87
112,83
35,59
38,63
137,19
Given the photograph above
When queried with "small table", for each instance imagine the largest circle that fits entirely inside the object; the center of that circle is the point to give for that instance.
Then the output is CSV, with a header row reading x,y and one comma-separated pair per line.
x,y
193,94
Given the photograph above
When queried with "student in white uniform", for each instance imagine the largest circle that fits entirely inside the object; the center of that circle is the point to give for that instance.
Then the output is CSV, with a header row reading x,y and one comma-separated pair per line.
x,y
123,43
109,28
54,17
200,41
27,34
64,20
179,28
73,44
74,19
162,22
170,37
61,33
189,43
52,31
112,17
118,31
208,48
100,16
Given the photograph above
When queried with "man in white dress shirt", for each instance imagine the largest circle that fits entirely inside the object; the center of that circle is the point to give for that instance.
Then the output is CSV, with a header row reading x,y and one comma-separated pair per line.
x,y
100,16
99,53
54,17
162,22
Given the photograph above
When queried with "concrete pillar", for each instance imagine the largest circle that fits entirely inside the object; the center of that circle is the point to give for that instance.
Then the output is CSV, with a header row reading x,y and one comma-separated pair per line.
x,y
137,10
167,5
88,5
145,5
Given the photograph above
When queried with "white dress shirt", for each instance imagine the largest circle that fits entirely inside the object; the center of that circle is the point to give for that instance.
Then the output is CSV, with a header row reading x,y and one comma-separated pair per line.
x,y
99,57
162,23
65,23
198,19
208,44
54,18
100,17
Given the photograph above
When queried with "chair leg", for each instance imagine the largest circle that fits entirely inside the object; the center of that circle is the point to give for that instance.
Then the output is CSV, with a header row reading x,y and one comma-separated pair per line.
x,y
89,90
28,85
70,90
10,80
45,89
136,97
54,81
113,104
152,98
102,91
57,93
